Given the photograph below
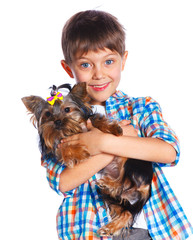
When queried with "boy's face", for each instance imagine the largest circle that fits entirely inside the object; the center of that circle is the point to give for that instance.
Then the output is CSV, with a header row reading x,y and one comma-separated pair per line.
x,y
101,71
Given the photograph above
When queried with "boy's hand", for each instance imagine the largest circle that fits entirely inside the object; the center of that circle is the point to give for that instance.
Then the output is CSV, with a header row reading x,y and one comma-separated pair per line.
x,y
90,139
128,129
93,138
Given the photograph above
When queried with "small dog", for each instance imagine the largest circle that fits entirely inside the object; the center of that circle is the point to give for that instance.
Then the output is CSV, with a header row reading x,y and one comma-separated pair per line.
x,y
125,184
59,117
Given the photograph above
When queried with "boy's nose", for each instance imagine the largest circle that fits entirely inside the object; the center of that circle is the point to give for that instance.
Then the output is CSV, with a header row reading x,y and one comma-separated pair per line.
x,y
98,73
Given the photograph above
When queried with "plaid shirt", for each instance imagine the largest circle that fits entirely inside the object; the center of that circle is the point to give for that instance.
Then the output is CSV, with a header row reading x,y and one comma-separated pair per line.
x,y
82,212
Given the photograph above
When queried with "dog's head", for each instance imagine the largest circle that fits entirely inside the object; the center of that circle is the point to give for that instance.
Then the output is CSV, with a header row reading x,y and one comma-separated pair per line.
x,y
61,118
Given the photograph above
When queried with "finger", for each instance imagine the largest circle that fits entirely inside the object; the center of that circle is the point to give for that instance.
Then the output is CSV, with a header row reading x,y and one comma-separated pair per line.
x,y
89,124
60,145
125,122
69,139
84,127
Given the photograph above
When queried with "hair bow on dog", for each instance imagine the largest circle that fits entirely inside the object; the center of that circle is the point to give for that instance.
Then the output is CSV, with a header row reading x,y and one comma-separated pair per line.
x,y
51,100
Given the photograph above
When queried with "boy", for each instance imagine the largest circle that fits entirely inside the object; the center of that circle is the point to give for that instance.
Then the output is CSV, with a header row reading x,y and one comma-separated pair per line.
x,y
93,43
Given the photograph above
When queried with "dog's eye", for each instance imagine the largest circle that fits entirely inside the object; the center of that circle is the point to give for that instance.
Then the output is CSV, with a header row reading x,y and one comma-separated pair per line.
x,y
47,114
67,110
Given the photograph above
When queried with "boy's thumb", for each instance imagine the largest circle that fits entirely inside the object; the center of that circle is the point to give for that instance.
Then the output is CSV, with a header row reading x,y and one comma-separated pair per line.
x,y
89,124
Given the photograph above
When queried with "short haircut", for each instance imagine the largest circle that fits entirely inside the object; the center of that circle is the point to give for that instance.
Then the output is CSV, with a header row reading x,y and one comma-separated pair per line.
x,y
92,30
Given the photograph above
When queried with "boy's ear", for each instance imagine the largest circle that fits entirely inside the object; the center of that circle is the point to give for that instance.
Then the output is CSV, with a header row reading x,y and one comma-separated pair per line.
x,y
67,68
124,60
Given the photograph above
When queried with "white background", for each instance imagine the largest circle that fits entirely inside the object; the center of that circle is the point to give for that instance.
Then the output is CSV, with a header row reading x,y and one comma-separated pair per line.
x,y
160,64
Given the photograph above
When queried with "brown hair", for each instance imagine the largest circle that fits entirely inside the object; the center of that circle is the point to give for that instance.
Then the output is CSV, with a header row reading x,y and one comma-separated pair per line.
x,y
92,30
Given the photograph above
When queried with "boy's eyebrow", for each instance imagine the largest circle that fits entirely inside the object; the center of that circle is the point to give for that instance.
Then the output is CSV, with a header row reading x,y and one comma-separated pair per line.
x,y
105,56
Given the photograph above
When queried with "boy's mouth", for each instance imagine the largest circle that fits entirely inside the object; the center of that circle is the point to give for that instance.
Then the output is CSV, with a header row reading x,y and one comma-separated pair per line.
x,y
100,87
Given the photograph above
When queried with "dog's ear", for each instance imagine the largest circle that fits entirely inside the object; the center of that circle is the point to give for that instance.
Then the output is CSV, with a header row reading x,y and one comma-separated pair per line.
x,y
35,105
79,90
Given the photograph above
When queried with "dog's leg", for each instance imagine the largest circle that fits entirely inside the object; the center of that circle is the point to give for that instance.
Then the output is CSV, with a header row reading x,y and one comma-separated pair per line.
x,y
112,181
73,154
110,186
105,125
120,220
137,194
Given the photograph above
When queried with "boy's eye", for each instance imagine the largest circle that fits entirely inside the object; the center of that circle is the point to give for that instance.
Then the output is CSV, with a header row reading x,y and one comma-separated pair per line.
x,y
108,62
85,65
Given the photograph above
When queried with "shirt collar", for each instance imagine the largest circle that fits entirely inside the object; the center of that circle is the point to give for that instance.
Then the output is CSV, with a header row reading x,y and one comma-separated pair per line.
x,y
119,95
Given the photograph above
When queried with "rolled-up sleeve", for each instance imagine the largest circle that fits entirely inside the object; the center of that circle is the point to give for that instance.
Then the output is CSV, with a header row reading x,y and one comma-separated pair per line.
x,y
53,172
153,125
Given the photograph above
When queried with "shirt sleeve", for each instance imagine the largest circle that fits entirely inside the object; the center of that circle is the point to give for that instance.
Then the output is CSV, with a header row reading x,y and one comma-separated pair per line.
x,y
53,172
153,125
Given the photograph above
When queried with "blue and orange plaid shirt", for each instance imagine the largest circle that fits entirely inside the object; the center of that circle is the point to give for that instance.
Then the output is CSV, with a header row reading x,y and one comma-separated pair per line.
x,y
82,211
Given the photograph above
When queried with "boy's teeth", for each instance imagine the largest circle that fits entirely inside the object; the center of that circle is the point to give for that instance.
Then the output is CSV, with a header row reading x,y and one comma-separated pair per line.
x,y
99,86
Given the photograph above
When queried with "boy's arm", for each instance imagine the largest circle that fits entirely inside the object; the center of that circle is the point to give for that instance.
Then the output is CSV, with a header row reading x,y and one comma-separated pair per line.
x,y
146,148
158,144
149,149
71,178
64,180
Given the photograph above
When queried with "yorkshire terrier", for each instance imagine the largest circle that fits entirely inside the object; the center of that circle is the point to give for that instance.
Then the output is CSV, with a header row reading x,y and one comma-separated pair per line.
x,y
125,184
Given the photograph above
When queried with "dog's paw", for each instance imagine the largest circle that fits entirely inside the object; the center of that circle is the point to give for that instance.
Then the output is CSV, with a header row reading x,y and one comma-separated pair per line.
x,y
74,154
116,129
106,126
100,183
104,231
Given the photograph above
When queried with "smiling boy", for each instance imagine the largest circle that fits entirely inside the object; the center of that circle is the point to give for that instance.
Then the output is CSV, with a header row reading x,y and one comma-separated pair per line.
x,y
101,70
93,43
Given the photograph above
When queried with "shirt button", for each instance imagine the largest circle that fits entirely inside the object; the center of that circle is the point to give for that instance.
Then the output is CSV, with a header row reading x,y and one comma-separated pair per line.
x,y
93,184
101,210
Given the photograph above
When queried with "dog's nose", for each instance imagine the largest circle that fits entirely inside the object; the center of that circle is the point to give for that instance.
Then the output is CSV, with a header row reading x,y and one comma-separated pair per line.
x,y
58,123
